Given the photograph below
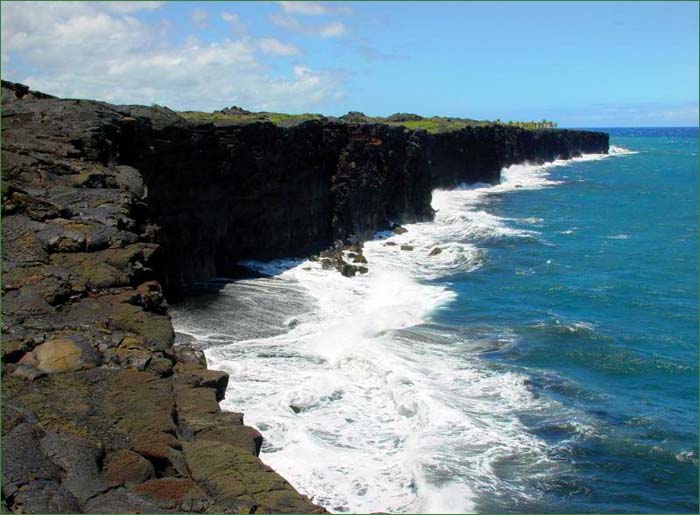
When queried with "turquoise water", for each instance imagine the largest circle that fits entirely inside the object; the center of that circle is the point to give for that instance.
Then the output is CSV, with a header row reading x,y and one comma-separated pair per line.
x,y
601,312
546,360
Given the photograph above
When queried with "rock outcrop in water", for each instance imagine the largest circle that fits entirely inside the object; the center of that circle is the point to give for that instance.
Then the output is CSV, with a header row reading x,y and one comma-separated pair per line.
x,y
103,204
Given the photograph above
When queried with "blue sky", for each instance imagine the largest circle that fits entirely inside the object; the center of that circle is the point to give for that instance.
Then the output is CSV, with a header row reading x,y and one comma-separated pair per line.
x,y
582,64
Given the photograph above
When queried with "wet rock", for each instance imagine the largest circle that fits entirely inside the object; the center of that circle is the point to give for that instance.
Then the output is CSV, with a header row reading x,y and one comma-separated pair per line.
x,y
390,244
406,247
399,230
360,259
348,270
362,269
435,251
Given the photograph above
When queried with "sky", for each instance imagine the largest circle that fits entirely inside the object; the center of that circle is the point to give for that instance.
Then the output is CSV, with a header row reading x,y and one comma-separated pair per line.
x,y
581,64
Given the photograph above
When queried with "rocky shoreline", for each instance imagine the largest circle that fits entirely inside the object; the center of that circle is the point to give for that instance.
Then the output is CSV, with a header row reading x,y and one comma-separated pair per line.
x,y
109,210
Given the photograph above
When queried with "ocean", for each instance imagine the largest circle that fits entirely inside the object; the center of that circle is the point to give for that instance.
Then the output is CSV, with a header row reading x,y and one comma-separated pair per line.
x,y
546,360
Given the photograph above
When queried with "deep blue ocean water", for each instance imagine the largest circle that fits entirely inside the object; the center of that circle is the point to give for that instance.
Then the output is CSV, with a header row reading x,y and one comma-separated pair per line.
x,y
603,306
546,360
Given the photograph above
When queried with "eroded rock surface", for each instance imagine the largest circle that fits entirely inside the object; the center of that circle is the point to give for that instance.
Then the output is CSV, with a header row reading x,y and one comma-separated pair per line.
x,y
99,407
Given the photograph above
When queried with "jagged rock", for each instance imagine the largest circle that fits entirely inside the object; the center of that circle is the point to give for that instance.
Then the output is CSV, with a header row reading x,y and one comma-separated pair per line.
x,y
188,356
23,461
129,179
243,437
348,270
360,259
173,494
120,501
199,376
126,467
239,482
28,372
44,496
79,458
150,295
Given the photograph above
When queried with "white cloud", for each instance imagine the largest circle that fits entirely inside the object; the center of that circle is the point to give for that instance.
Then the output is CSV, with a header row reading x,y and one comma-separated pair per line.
x,y
89,50
329,30
277,47
130,7
199,17
308,8
234,22
313,8
332,30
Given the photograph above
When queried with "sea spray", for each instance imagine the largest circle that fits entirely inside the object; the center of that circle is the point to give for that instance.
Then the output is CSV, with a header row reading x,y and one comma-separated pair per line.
x,y
366,408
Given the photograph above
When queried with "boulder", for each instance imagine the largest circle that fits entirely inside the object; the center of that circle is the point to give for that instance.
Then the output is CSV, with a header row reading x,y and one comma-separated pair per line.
x,y
64,355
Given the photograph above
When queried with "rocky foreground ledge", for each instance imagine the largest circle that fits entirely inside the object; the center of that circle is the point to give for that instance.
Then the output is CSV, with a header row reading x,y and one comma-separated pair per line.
x,y
101,412
104,206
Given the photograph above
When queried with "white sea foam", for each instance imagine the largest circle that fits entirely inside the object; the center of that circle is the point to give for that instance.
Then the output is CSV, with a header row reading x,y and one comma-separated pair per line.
x,y
362,408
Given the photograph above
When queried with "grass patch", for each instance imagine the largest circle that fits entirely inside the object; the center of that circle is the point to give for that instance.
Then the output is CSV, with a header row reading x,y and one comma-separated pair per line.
x,y
433,125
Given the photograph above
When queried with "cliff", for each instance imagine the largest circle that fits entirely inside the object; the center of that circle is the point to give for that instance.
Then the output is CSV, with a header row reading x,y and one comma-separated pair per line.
x,y
104,205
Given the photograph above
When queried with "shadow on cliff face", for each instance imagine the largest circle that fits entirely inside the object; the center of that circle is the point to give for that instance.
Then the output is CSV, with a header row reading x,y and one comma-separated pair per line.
x,y
220,194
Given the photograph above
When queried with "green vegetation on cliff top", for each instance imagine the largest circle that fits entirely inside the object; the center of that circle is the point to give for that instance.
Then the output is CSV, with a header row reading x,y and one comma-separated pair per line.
x,y
433,124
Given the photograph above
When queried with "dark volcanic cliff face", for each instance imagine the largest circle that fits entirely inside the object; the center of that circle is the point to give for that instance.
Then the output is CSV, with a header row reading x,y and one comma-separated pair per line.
x,y
477,154
224,193
102,204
